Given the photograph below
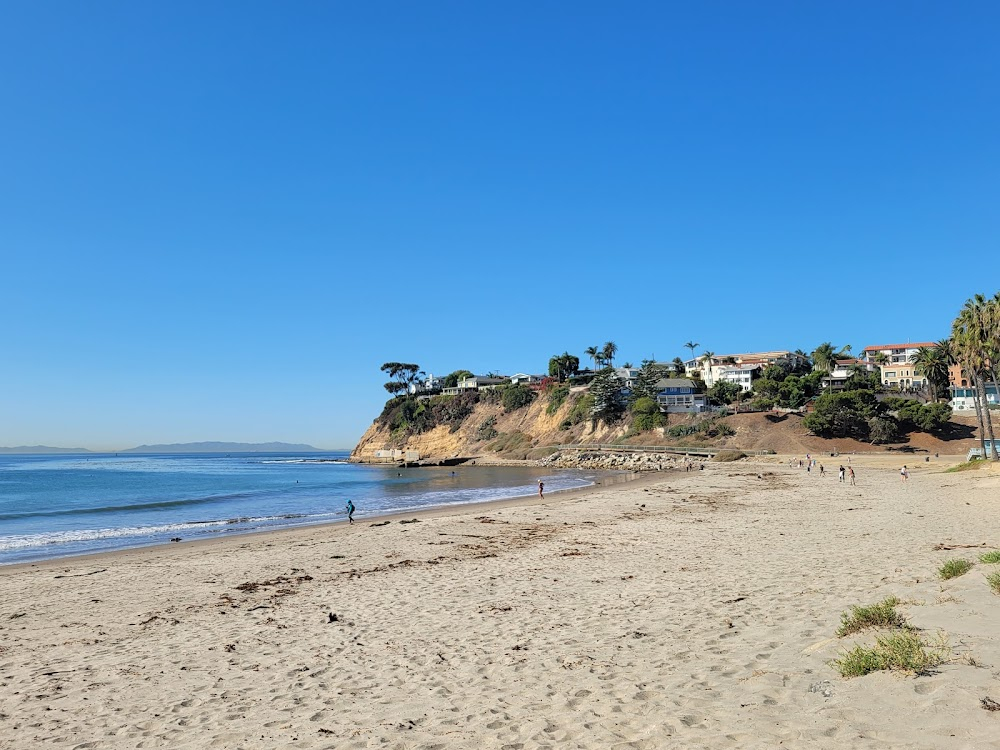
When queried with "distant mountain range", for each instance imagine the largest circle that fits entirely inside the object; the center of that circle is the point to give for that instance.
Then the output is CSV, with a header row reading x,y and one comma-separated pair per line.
x,y
213,447
42,449
207,447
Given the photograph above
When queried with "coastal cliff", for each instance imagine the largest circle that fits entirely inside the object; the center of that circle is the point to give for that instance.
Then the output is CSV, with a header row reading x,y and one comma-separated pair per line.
x,y
480,426
487,428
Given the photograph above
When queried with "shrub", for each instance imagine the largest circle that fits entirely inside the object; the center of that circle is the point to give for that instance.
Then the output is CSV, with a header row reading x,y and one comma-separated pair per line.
x,y
881,615
992,557
516,397
954,568
453,410
729,456
581,410
904,651
487,430
646,415
557,394
514,441
646,422
682,430
724,429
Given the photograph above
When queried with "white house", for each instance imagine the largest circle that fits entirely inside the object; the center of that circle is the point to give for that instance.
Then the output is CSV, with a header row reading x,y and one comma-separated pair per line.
x,y
842,370
742,376
428,384
710,368
526,379
964,399
627,375
895,353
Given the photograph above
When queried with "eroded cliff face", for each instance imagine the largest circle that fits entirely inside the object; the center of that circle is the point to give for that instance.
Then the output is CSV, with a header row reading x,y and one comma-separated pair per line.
x,y
521,434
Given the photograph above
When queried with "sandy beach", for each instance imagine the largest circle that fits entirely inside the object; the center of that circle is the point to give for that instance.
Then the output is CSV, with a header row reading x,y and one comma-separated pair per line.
x,y
679,610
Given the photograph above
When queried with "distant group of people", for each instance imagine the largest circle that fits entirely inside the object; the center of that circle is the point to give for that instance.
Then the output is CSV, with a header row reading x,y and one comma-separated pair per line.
x,y
845,473
850,474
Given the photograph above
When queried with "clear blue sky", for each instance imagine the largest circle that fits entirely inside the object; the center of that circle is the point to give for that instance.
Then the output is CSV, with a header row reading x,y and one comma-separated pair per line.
x,y
217,219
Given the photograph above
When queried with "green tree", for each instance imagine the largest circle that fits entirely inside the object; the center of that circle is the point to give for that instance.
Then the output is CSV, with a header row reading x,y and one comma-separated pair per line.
x,y
646,415
706,360
452,378
644,386
882,429
972,336
609,404
562,366
678,364
595,354
692,345
725,392
404,375
608,352
930,362
825,356
844,414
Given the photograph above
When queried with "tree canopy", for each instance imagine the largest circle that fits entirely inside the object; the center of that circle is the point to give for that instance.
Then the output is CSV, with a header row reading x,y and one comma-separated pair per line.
x,y
404,375
562,366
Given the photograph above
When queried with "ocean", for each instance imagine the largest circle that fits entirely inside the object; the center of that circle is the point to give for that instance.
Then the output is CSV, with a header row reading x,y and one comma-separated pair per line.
x,y
62,505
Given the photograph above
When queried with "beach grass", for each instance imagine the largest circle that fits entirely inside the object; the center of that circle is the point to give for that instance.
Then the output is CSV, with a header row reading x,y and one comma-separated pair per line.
x,y
904,651
966,466
880,615
993,579
724,456
954,568
990,558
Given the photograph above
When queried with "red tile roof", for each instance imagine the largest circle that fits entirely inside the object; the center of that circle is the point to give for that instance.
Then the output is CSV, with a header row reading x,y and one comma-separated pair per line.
x,y
916,345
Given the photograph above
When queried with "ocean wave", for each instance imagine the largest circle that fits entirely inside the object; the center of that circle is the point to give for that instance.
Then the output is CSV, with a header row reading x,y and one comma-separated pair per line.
x,y
152,505
46,539
304,461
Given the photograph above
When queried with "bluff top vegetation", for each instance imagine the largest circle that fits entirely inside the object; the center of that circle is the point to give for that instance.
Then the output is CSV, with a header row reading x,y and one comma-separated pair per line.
x,y
862,410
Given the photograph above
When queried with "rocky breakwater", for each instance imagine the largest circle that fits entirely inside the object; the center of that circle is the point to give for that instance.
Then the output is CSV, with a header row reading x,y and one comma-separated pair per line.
x,y
612,461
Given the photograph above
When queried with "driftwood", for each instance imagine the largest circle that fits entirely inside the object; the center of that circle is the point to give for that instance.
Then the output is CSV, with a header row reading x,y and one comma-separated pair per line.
x,y
942,545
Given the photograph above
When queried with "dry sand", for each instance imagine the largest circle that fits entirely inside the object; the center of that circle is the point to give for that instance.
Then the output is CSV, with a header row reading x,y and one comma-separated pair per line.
x,y
683,610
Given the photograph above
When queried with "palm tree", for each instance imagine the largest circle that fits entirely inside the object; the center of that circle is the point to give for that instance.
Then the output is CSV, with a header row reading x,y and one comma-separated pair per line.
x,y
825,357
692,345
971,337
609,351
929,362
594,353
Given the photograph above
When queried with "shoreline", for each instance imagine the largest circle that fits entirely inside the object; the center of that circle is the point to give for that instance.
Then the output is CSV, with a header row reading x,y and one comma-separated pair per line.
x,y
240,537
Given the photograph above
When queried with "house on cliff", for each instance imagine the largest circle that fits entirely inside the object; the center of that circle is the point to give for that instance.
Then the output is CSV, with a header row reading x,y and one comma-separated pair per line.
x,y
680,395
475,383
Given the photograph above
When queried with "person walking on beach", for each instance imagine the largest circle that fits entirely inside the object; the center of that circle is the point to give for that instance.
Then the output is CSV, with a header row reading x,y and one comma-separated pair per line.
x,y
541,489
904,473
850,473
840,476
822,471
350,511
